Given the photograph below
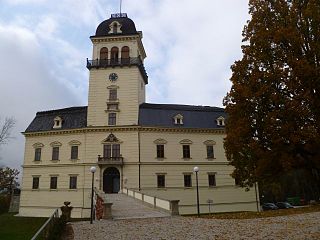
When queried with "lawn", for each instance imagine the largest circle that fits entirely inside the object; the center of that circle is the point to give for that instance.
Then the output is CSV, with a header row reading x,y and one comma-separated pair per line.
x,y
271,213
19,228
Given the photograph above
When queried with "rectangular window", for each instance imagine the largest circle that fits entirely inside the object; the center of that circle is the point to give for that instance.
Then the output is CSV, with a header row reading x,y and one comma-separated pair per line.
x,y
210,151
107,151
74,152
37,154
186,151
187,180
116,150
35,182
73,182
112,119
212,180
113,94
53,182
161,181
160,151
55,153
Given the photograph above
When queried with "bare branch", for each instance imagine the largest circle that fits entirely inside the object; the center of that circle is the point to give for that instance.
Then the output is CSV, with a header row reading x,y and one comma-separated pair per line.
x,y
5,130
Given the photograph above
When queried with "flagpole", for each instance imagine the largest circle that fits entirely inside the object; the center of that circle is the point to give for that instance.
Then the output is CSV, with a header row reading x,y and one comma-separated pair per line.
x,y
120,5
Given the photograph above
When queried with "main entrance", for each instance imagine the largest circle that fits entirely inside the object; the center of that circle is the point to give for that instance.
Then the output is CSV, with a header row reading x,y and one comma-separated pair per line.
x,y
111,180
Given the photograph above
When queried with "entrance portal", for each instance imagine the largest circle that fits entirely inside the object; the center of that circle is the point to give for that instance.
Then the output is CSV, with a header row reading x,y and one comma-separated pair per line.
x,y
111,180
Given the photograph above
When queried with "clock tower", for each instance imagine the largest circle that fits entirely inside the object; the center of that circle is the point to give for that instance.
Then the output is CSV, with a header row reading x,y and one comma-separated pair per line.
x,y
117,74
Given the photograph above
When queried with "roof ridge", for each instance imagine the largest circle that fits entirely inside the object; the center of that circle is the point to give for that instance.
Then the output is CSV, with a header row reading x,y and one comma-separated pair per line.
x,y
180,107
62,110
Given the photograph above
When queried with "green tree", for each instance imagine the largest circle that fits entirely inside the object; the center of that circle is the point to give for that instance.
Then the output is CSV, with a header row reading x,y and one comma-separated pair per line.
x,y
274,103
8,178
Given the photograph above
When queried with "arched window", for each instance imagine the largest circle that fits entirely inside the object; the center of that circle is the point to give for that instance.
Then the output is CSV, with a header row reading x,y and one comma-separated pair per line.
x,y
125,55
115,27
104,53
114,54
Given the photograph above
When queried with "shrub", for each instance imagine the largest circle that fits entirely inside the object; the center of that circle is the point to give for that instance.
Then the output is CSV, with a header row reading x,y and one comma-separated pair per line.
x,y
4,203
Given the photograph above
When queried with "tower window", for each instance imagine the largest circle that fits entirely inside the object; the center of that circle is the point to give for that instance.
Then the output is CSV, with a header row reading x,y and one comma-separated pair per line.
x,y
114,55
113,94
125,55
115,27
104,53
112,119
113,107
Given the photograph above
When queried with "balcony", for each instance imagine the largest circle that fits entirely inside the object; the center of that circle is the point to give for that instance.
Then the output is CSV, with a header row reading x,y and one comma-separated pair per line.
x,y
106,63
110,160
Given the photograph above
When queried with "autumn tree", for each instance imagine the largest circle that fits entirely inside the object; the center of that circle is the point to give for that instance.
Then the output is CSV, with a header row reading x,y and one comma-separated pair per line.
x,y
273,126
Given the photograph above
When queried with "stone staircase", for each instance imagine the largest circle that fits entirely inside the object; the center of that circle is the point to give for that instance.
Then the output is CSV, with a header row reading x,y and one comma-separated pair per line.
x,y
14,204
125,207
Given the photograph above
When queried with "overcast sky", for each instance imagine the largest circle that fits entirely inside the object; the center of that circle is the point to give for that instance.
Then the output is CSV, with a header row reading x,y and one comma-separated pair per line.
x,y
44,44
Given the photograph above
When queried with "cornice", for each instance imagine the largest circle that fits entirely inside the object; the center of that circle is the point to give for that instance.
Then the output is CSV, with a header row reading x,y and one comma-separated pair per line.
x,y
58,165
124,129
114,39
155,163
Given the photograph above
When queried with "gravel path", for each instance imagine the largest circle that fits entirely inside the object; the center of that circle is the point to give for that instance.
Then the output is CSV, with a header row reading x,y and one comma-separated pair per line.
x,y
302,226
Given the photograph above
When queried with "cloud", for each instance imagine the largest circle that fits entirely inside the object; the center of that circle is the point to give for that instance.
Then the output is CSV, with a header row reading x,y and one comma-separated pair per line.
x,y
190,46
28,85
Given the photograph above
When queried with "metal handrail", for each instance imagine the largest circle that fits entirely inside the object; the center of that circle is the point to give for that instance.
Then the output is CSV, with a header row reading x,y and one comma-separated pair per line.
x,y
46,224
105,63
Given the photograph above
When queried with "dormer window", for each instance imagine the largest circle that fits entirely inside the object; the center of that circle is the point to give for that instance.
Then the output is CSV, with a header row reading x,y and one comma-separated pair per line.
x,y
178,119
220,121
57,122
115,27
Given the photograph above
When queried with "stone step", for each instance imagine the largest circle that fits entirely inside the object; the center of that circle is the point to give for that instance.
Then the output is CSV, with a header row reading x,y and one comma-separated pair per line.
x,y
125,207
14,204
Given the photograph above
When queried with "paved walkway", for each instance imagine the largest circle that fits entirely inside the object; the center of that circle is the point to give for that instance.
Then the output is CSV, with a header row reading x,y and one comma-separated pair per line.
x,y
125,207
293,227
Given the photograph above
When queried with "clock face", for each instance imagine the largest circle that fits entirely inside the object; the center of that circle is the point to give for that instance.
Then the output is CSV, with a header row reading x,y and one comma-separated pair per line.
x,y
113,77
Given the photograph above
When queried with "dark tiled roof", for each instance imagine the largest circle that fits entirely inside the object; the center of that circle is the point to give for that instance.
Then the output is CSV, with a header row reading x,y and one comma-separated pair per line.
x,y
74,117
161,115
127,27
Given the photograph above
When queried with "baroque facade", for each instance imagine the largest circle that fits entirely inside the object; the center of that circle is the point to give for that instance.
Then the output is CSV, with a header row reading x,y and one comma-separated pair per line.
x,y
151,148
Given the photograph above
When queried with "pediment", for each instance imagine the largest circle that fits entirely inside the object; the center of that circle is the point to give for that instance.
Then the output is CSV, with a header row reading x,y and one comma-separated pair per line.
x,y
185,141
160,141
111,139
209,142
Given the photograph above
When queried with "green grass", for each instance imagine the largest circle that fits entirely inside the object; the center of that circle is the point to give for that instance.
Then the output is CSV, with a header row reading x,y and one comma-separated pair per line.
x,y
19,228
